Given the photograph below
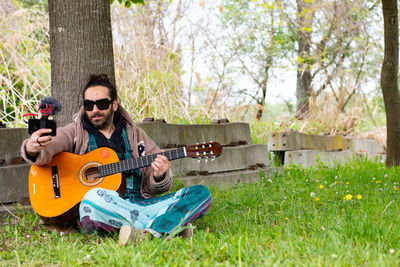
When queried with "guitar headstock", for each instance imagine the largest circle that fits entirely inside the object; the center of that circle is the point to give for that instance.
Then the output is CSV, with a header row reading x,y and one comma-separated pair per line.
x,y
204,150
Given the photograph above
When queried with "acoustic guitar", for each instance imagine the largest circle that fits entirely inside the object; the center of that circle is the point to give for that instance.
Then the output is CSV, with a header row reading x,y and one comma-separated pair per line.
x,y
58,187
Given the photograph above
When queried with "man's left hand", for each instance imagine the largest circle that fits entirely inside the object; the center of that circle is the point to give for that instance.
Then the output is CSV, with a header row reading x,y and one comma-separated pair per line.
x,y
160,166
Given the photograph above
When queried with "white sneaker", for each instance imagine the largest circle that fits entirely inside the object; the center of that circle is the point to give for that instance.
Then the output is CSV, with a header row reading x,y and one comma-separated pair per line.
x,y
129,234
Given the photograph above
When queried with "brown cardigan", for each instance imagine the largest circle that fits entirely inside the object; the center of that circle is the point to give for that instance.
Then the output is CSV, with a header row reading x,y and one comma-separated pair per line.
x,y
74,137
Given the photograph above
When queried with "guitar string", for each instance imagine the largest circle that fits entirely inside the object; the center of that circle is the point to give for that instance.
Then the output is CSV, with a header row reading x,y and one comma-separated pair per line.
x,y
133,163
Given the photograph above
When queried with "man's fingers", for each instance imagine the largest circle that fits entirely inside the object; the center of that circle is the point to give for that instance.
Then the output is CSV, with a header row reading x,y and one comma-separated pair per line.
x,y
40,132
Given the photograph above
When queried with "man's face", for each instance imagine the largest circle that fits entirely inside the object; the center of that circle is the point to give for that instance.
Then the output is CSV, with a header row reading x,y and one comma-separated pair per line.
x,y
100,119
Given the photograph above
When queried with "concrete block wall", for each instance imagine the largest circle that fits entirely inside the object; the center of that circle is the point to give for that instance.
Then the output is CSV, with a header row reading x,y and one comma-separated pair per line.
x,y
299,148
13,174
239,155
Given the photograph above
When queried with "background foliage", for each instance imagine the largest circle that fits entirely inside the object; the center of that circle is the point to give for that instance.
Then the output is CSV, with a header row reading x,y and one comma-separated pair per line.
x,y
191,62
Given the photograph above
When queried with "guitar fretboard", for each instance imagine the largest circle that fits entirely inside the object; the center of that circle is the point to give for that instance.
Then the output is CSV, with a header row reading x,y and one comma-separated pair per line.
x,y
136,163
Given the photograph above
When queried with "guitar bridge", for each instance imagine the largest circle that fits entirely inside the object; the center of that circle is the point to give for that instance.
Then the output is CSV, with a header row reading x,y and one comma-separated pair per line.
x,y
55,181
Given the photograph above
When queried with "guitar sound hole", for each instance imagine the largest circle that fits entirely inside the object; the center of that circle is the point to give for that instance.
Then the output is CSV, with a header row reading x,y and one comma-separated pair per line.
x,y
92,174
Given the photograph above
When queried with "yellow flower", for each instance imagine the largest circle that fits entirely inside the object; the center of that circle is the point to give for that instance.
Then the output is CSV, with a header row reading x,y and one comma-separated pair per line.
x,y
336,182
317,199
321,186
348,197
347,183
286,219
359,197
378,182
396,188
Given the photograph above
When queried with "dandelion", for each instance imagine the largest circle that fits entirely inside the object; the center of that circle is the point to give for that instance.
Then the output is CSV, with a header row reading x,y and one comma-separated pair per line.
x,y
336,182
321,186
87,257
317,199
286,219
359,197
347,183
396,189
378,182
323,228
348,197
312,194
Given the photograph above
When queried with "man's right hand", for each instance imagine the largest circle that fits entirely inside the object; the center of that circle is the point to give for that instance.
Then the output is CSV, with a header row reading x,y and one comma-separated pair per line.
x,y
37,142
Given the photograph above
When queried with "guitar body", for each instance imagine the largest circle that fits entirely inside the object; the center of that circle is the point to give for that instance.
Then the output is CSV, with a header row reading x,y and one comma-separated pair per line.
x,y
58,187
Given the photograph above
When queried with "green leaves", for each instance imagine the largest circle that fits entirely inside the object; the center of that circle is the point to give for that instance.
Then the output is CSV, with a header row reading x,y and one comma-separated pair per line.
x,y
128,3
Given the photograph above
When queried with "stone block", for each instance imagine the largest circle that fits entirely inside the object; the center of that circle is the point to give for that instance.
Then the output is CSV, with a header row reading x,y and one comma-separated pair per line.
x,y
370,156
308,158
10,142
227,179
293,140
231,159
14,183
357,145
9,210
169,135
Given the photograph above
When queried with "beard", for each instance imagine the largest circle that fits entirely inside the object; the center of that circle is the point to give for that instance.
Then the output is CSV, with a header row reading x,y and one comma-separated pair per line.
x,y
101,120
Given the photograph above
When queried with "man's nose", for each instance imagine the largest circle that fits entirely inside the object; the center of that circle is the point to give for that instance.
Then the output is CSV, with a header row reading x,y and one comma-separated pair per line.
x,y
95,108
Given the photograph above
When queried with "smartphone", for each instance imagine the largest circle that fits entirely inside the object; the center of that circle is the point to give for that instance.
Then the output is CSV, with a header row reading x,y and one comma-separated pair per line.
x,y
36,124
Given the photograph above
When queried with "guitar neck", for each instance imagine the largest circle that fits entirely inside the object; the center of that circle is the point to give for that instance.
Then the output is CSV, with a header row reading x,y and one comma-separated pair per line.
x,y
136,163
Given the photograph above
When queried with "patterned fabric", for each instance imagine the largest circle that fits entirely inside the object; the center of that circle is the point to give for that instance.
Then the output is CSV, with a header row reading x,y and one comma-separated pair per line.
x,y
103,209
133,178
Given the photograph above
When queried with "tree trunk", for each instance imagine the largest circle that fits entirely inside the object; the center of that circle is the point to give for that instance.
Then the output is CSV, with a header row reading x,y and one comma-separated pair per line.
x,y
80,45
303,87
389,81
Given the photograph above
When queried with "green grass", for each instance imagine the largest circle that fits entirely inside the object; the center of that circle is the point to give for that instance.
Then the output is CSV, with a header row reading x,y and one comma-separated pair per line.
x,y
276,221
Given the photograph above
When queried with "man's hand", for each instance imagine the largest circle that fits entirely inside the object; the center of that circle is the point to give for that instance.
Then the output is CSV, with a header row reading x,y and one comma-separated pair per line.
x,y
37,142
160,166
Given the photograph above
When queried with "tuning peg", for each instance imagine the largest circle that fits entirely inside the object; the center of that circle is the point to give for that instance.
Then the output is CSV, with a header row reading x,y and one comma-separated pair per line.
x,y
212,158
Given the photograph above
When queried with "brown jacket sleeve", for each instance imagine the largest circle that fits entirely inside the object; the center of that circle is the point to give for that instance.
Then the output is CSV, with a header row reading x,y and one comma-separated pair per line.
x,y
63,141
150,186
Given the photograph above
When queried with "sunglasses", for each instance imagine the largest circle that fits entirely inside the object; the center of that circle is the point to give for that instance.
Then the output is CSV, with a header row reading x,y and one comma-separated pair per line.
x,y
101,104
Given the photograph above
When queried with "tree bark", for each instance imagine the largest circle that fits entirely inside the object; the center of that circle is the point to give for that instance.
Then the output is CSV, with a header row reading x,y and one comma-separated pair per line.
x,y
389,81
80,45
303,87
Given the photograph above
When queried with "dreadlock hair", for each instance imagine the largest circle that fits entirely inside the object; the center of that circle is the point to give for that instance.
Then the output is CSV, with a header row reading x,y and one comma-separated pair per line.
x,y
101,80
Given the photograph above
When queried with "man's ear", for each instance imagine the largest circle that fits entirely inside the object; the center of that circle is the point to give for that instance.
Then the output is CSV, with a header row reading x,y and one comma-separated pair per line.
x,y
115,105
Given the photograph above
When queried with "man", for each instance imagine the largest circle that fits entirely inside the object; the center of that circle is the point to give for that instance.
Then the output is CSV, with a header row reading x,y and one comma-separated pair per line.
x,y
102,122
